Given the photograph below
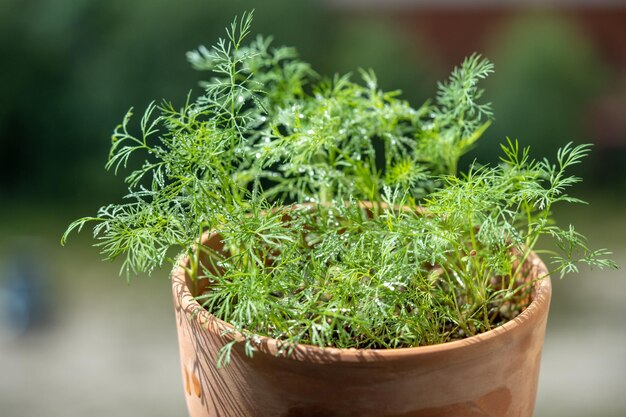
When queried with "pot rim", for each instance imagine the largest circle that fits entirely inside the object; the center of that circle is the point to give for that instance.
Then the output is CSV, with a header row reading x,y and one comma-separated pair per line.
x,y
537,308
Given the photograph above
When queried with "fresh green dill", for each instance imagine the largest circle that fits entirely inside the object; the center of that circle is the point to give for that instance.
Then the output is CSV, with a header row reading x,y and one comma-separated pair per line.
x,y
343,219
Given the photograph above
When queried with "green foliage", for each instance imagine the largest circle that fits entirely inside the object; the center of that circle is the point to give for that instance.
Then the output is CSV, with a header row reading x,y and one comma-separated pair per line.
x,y
549,71
393,247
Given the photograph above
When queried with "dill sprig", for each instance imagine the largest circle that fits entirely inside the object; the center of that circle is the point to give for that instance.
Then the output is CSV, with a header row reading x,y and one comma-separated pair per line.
x,y
343,219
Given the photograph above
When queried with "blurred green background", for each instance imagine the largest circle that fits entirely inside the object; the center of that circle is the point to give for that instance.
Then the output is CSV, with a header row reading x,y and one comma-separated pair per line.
x,y
75,340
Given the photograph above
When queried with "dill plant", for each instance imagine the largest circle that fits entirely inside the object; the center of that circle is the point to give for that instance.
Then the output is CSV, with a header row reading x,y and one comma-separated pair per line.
x,y
343,218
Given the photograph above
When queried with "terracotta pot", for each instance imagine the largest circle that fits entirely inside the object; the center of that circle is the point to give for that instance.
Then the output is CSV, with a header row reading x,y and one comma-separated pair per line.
x,y
492,374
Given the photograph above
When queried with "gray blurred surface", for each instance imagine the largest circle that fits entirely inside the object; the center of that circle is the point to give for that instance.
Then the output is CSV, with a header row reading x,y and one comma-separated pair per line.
x,y
584,358
109,349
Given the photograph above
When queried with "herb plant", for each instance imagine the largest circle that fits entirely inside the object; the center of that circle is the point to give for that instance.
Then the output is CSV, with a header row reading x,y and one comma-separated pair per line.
x,y
343,218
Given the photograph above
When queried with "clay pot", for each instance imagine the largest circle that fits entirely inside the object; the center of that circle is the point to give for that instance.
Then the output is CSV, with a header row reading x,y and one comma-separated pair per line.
x,y
491,374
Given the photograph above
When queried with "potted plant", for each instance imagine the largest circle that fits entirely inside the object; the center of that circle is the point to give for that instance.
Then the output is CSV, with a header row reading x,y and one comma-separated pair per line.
x,y
332,261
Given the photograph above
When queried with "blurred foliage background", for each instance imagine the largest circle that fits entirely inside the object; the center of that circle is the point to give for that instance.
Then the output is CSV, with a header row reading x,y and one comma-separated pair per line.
x,y
70,69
